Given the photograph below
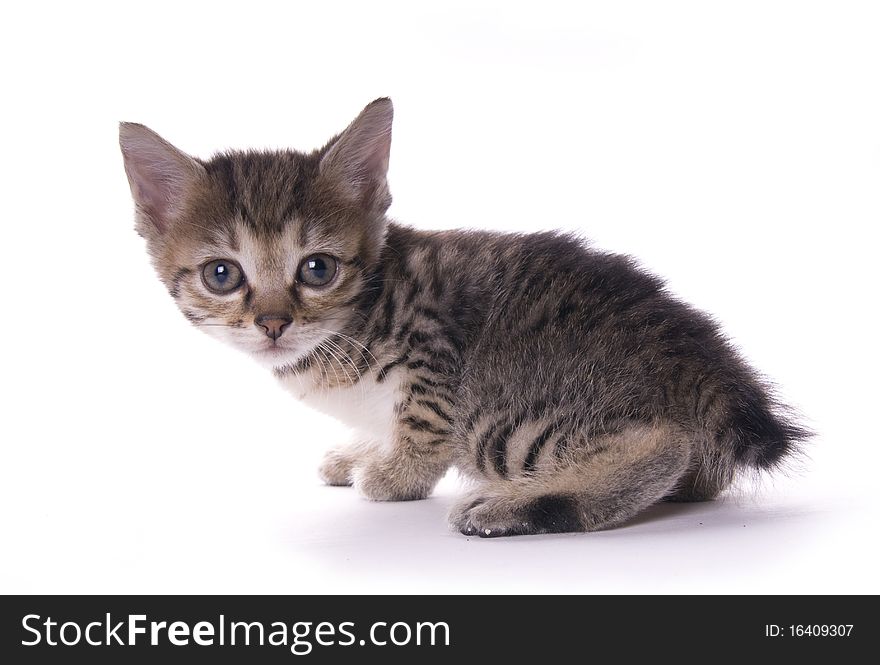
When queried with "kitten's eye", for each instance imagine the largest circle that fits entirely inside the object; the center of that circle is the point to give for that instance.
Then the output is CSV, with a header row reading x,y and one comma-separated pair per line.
x,y
318,270
222,276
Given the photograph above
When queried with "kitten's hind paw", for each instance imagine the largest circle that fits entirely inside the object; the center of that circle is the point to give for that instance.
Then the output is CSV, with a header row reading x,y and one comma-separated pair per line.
x,y
489,516
472,518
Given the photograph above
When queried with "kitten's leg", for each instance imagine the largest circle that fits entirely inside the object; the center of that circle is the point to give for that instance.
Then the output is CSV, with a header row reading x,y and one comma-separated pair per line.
x,y
549,481
409,466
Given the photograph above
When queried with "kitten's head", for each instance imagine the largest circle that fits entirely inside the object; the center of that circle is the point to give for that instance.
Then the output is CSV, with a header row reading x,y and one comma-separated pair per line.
x,y
266,250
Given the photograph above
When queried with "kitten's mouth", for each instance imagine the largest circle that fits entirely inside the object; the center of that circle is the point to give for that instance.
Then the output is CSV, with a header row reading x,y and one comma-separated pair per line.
x,y
281,352
274,355
274,350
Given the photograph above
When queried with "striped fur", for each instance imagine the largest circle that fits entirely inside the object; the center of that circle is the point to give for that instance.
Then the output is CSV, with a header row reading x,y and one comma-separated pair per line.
x,y
566,382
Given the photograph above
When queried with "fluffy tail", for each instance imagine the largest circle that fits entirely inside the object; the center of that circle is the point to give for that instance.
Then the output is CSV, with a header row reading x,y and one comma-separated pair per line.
x,y
752,427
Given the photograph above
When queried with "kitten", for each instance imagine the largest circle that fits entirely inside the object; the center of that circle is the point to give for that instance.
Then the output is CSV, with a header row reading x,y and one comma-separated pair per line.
x,y
566,382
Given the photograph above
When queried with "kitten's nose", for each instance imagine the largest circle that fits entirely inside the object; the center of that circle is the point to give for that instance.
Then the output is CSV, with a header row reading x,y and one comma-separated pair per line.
x,y
273,324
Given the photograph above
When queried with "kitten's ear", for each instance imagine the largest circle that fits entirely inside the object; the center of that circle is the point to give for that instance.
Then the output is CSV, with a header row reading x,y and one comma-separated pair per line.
x,y
159,174
357,161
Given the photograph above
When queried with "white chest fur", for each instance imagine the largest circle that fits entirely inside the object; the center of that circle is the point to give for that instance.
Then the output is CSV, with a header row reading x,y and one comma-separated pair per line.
x,y
367,406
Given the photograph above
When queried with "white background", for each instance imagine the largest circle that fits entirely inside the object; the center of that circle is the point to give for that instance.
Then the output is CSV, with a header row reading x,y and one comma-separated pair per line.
x,y
733,147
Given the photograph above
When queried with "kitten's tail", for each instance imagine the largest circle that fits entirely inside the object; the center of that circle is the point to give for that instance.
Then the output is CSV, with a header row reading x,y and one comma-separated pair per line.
x,y
752,427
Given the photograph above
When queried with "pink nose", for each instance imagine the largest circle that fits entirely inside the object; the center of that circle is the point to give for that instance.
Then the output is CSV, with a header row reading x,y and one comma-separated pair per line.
x,y
273,325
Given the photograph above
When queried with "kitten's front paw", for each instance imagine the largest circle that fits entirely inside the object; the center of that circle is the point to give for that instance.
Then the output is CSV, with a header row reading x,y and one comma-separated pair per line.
x,y
380,480
338,464
336,468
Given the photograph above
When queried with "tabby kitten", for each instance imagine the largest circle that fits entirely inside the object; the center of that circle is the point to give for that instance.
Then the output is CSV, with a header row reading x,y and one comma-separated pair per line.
x,y
567,383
